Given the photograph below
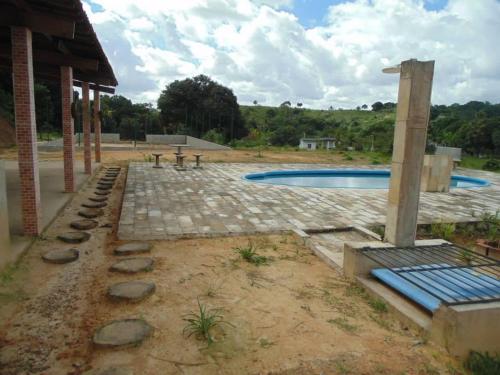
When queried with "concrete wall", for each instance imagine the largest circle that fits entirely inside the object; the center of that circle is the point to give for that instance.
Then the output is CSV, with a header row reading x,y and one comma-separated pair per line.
x,y
436,173
455,153
5,255
201,144
165,139
105,137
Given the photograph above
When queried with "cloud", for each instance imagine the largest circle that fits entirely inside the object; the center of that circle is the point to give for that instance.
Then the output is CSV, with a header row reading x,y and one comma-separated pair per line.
x,y
262,51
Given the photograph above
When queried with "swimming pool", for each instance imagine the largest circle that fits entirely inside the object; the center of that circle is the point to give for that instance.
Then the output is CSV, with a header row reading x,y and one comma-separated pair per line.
x,y
346,178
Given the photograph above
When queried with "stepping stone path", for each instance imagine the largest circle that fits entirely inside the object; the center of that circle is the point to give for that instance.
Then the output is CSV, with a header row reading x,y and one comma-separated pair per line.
x,y
74,237
84,224
98,199
133,248
91,213
61,256
102,192
104,182
110,371
133,265
133,291
100,187
108,179
120,333
94,204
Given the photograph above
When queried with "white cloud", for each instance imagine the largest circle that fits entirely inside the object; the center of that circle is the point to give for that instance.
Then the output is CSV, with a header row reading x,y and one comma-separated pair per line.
x,y
260,49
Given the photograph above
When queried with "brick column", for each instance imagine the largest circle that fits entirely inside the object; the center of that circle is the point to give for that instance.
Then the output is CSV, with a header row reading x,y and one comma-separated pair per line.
x,y
24,108
68,126
412,119
87,151
97,126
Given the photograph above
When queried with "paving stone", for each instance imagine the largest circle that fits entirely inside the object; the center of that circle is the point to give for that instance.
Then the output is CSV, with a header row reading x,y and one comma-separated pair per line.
x,y
104,183
133,248
98,199
133,265
91,213
94,204
102,192
108,179
111,175
100,187
74,237
113,370
133,291
84,224
122,333
61,256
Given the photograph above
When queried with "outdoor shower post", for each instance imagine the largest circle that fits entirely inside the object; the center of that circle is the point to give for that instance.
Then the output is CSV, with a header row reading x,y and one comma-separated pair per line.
x,y
412,118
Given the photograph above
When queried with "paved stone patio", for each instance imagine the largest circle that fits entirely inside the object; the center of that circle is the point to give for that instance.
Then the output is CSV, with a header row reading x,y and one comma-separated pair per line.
x,y
165,203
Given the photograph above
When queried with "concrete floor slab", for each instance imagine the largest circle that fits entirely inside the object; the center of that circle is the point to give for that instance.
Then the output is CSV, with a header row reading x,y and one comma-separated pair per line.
x,y
53,197
166,203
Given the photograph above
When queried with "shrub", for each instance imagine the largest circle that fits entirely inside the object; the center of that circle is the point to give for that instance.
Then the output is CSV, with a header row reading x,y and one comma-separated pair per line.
x,y
202,322
492,165
483,363
443,230
249,253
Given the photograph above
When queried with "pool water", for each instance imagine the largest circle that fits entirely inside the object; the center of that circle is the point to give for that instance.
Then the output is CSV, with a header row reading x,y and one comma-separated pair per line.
x,y
345,178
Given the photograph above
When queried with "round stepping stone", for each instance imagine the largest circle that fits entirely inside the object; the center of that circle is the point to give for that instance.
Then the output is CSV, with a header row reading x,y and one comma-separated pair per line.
x,y
133,291
133,248
105,182
102,192
120,333
61,256
110,371
98,199
100,187
84,224
74,237
94,204
108,179
133,265
91,213
111,175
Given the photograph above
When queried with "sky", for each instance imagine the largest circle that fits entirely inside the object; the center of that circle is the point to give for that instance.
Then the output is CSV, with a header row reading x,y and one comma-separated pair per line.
x,y
320,53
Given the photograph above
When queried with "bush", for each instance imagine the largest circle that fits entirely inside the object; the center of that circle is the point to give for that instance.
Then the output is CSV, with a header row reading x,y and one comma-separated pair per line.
x,y
483,364
214,136
492,165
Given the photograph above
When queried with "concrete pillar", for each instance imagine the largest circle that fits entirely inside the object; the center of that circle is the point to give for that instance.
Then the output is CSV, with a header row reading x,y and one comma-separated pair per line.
x,y
412,118
5,255
87,150
68,126
24,108
97,126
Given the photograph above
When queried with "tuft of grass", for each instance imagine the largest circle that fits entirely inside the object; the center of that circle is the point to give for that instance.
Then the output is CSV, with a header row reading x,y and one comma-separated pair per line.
x,y
213,288
378,305
265,343
249,253
483,363
202,322
344,324
443,230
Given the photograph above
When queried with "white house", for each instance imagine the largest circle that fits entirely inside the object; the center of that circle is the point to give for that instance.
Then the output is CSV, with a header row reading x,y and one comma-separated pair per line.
x,y
317,143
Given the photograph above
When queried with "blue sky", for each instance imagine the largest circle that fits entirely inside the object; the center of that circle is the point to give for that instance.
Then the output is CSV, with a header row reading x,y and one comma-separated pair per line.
x,y
316,52
312,12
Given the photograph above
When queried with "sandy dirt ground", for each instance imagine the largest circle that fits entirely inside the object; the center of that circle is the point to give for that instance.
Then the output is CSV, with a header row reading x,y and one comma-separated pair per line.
x,y
293,315
229,156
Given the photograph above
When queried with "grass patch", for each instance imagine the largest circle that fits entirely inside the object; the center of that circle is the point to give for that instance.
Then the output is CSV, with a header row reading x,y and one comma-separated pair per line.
x,y
343,324
249,254
483,363
202,322
378,305
443,230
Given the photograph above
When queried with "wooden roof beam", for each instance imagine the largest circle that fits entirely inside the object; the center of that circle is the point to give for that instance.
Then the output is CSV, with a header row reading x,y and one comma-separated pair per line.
x,y
54,58
39,22
107,90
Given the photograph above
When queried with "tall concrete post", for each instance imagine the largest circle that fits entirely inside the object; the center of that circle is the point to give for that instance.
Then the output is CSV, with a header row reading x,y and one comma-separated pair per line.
x,y
97,125
412,118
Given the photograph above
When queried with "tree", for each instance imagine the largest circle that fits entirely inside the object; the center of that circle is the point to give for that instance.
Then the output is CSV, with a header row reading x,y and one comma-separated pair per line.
x,y
299,105
286,104
364,106
255,102
198,105
377,106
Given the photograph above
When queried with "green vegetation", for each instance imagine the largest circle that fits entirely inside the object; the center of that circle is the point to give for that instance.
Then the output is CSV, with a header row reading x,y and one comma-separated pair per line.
x,y
483,363
202,322
249,253
344,324
443,230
